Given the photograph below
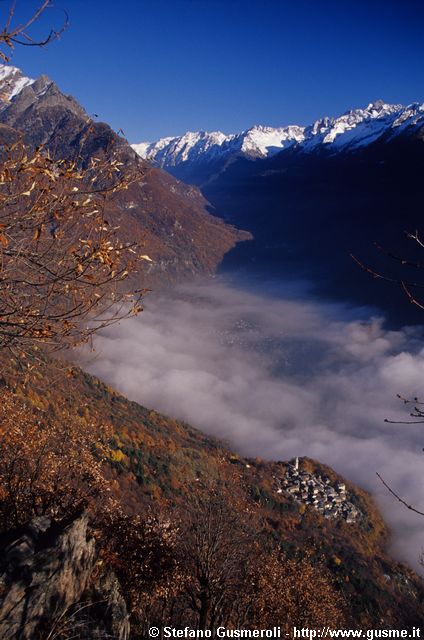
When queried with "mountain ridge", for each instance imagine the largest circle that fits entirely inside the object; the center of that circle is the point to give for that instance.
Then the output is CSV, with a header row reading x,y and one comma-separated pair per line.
x,y
351,130
353,181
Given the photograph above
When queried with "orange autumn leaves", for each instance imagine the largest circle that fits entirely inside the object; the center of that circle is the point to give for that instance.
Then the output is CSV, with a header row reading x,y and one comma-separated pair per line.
x,y
62,263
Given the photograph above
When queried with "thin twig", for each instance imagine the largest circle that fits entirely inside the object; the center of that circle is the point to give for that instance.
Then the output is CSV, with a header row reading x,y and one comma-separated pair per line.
x,y
408,506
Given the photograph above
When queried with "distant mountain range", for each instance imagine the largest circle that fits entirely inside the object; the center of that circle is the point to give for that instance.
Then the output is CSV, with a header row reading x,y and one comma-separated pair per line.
x,y
309,195
312,195
166,216
350,131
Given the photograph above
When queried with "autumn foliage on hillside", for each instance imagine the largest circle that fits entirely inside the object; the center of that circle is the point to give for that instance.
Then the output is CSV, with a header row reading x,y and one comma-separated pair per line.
x,y
195,534
47,468
205,565
191,533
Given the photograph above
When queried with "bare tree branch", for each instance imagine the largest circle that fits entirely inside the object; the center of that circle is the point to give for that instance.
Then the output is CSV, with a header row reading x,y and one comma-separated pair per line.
x,y
20,34
408,506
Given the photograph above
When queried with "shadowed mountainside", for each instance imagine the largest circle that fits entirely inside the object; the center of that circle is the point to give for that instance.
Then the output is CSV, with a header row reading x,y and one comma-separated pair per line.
x,y
166,216
309,208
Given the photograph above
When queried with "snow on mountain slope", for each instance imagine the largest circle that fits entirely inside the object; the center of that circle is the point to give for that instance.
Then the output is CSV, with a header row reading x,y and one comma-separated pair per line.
x,y
12,81
255,142
349,131
359,127
172,151
266,141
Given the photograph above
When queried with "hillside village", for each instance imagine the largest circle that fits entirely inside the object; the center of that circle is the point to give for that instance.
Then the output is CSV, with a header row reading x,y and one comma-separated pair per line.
x,y
318,492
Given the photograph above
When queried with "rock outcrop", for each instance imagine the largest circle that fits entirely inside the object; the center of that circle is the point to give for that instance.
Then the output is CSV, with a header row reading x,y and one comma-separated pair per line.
x,y
47,585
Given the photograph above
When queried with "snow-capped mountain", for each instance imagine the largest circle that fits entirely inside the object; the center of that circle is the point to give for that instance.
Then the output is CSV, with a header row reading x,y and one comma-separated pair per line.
x,y
12,81
360,127
349,131
258,141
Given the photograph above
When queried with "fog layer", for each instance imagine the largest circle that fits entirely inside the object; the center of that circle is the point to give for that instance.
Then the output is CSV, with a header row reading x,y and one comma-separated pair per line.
x,y
279,378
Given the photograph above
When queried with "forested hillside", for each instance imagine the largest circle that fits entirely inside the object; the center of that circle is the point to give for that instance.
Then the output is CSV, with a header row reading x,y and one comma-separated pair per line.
x,y
150,468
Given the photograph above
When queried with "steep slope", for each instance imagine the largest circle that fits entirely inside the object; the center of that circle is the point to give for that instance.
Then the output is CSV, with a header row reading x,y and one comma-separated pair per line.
x,y
157,460
168,217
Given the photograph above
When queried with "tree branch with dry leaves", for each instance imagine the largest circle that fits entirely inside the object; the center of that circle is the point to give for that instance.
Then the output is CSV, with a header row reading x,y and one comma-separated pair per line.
x,y
62,263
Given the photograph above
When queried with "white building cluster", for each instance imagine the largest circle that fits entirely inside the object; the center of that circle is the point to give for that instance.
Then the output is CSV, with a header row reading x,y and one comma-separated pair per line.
x,y
317,491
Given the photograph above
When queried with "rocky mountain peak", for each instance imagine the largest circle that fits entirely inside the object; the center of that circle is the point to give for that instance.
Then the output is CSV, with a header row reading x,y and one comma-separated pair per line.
x,y
166,216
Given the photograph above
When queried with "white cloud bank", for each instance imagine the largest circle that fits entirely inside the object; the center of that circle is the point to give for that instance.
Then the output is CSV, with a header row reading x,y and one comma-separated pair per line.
x,y
279,378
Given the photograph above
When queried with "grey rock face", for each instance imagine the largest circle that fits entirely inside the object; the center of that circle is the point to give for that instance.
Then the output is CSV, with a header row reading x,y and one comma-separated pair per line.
x,y
42,573
47,584
39,110
108,615
47,116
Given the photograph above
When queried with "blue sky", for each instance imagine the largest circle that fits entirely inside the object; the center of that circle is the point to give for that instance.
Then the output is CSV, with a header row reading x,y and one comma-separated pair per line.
x,y
162,67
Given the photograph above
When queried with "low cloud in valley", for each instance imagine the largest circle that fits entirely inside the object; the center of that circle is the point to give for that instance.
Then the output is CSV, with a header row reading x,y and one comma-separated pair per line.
x,y
280,378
